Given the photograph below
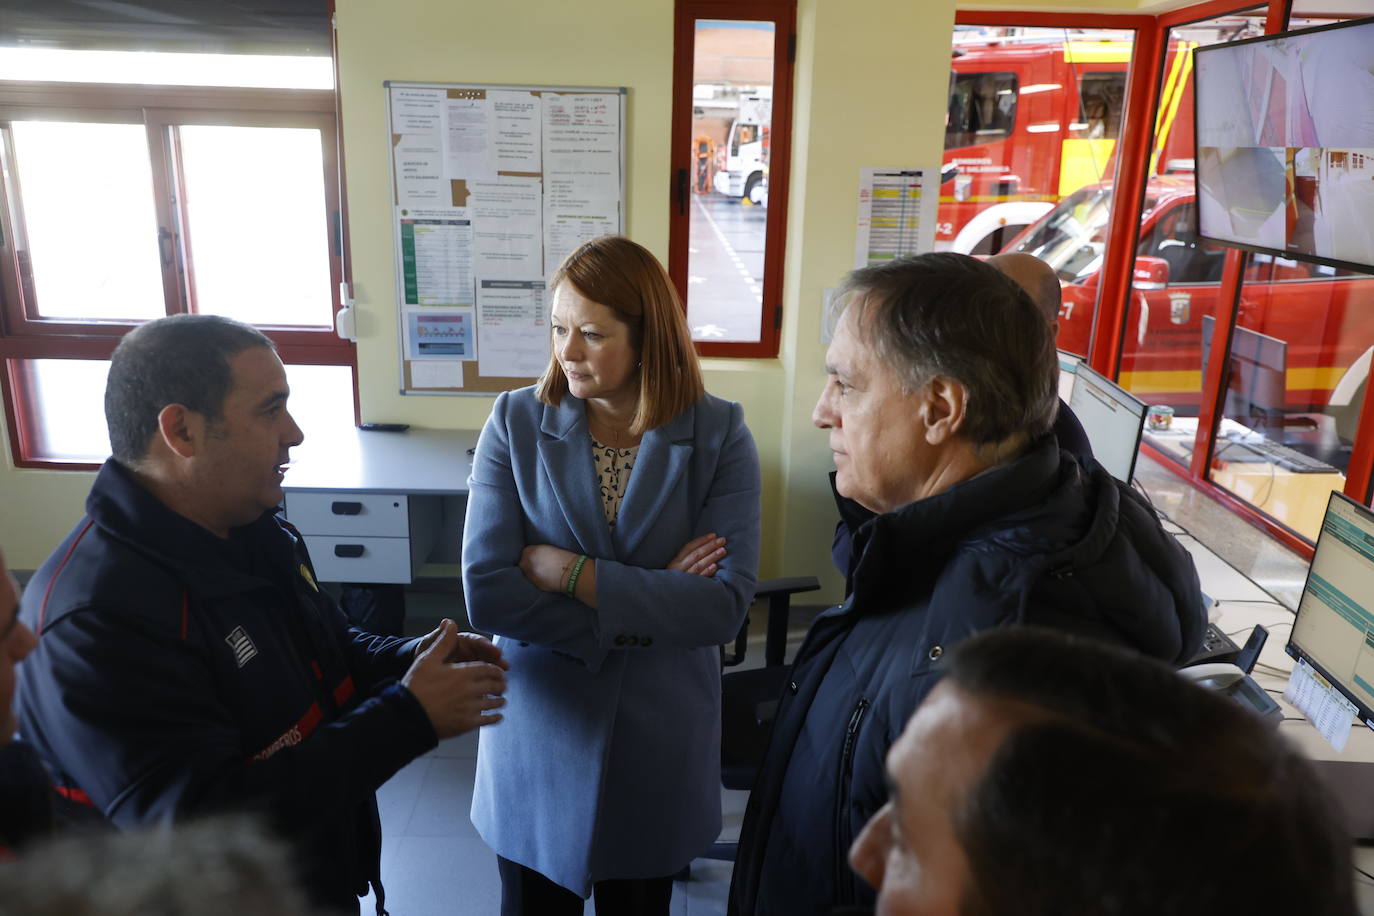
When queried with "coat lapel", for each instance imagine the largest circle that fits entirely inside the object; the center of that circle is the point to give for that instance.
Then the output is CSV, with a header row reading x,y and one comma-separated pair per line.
x,y
565,452
659,466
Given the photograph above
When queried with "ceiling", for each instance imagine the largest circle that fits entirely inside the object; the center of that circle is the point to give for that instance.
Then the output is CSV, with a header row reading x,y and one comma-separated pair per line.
x,y
241,26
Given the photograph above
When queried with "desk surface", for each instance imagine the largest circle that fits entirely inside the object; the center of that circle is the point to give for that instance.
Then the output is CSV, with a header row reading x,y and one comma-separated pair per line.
x,y
417,461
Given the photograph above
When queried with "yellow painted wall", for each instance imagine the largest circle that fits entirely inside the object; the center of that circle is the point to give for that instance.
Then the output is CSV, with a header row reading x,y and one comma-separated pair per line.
x,y
871,77
853,80
37,508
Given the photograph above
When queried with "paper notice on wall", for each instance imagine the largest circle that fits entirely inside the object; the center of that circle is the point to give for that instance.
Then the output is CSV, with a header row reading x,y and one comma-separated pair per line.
x,y
896,214
420,181
436,256
417,111
447,334
581,144
436,373
516,127
508,243
513,327
1325,707
466,138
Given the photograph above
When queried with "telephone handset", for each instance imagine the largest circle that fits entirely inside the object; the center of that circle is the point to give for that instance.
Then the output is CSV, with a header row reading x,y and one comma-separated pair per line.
x,y
1231,681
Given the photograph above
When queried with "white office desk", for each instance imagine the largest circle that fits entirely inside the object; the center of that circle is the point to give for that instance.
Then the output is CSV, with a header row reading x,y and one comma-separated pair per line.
x,y
1347,773
374,506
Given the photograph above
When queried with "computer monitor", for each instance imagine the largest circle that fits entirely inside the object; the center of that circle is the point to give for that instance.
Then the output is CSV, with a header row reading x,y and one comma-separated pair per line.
x,y
1334,629
1112,417
1068,368
1257,389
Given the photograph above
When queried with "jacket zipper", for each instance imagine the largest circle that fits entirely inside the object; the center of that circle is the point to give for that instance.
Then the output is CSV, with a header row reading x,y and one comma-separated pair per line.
x,y
844,877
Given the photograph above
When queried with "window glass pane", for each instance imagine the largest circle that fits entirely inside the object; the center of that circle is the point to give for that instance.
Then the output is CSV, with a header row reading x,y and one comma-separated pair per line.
x,y
255,207
732,107
66,408
321,399
1033,115
266,71
1297,372
92,233
1177,278
64,400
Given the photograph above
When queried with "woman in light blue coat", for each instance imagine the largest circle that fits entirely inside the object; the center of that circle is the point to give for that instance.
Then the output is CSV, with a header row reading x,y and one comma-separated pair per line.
x,y
611,543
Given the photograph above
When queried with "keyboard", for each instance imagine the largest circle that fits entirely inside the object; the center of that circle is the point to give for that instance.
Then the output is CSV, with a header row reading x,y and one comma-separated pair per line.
x,y
1257,449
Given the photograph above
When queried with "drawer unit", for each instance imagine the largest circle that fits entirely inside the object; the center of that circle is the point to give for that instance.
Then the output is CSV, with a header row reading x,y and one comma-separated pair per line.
x,y
380,515
366,537
360,559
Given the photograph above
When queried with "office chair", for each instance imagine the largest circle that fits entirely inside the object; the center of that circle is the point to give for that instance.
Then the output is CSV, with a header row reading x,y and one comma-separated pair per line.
x,y
749,698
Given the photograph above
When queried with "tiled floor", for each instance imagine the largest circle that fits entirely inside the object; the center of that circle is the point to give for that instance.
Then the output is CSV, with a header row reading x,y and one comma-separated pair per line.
x,y
434,863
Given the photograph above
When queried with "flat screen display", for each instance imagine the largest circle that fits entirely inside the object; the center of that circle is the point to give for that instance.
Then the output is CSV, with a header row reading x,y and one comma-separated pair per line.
x,y
1112,417
1334,629
1285,144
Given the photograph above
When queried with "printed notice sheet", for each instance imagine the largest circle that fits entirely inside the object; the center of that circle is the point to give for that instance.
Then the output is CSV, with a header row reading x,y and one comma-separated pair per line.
x,y
436,256
440,335
436,373
515,333
467,124
1329,712
581,171
896,214
516,121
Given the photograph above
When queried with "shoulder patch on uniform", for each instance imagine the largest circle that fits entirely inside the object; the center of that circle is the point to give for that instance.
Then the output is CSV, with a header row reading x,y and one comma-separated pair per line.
x,y
309,579
243,647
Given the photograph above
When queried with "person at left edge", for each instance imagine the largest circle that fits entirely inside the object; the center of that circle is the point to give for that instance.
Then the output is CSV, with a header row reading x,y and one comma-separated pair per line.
x,y
187,661
26,797
611,543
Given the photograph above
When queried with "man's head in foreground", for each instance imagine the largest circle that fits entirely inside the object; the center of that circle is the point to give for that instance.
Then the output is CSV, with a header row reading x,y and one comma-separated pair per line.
x,y
196,407
1052,775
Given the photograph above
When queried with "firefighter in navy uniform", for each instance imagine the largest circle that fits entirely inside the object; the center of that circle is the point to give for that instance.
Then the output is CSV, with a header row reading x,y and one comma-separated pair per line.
x,y
187,661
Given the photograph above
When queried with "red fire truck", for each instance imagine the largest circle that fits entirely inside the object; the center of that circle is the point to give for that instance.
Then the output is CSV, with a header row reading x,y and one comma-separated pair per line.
x,y
1031,119
1323,315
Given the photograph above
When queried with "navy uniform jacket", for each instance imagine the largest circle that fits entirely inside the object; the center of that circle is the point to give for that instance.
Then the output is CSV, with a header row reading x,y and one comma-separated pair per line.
x,y
179,674
1067,431
1046,540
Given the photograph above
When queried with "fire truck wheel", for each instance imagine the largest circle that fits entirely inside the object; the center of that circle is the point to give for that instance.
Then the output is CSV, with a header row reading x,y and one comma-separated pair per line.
x,y
750,185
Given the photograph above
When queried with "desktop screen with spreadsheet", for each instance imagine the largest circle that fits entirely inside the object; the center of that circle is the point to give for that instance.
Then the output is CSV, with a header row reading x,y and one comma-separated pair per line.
x,y
1334,629
1113,419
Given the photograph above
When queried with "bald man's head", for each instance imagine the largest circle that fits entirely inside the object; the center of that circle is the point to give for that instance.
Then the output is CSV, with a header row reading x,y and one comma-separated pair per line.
x,y
1036,277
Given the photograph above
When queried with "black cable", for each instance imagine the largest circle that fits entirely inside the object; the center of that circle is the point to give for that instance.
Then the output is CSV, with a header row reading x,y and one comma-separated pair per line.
x,y
1363,872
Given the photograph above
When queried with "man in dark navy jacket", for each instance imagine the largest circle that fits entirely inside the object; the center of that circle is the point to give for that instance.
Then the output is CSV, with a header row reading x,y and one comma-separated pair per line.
x,y
1041,283
187,660
941,396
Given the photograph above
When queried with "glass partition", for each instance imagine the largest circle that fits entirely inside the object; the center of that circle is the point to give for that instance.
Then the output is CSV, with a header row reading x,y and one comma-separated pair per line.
x,y
1295,379
1176,281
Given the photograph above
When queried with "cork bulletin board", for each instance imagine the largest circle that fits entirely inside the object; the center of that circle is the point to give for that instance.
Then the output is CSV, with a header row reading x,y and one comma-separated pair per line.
x,y
491,187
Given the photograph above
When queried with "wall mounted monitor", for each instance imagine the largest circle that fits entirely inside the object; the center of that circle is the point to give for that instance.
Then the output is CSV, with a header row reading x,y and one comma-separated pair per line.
x,y
1112,417
1285,144
1334,629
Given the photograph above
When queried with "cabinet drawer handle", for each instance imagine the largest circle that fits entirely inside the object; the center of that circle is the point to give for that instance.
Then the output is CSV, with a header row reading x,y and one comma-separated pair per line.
x,y
350,551
346,508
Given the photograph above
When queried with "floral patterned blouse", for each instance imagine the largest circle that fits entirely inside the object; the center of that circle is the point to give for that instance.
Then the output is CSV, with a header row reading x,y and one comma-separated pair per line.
x,y
613,466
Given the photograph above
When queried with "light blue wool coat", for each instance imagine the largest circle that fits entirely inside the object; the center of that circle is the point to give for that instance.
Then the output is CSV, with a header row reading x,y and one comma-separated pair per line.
x,y
607,764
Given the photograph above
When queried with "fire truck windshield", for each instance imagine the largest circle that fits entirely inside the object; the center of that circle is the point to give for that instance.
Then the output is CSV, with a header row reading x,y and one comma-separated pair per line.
x,y
1072,237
